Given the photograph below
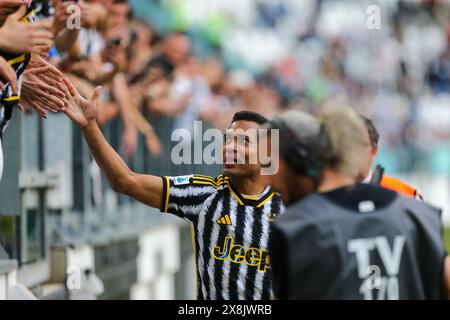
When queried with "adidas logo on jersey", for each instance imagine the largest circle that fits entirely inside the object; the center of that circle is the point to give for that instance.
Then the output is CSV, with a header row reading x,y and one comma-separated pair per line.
x,y
225,219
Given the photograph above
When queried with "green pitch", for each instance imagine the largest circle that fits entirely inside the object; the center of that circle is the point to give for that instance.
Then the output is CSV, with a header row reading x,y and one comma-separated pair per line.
x,y
447,239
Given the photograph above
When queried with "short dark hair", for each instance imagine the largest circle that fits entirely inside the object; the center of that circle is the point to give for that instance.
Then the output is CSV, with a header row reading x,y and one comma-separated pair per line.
x,y
249,116
374,136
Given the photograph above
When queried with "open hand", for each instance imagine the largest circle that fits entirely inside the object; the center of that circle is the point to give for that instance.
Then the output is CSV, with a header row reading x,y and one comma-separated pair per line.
x,y
20,37
78,109
40,90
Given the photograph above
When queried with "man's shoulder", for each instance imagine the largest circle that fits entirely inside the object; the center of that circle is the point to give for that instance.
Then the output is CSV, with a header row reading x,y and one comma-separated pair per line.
x,y
217,182
308,222
303,210
420,208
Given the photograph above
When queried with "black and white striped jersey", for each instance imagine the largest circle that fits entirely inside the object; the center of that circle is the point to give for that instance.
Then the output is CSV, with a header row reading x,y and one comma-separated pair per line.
x,y
230,234
19,62
9,100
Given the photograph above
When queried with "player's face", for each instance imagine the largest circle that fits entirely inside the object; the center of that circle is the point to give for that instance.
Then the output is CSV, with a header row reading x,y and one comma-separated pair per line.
x,y
240,149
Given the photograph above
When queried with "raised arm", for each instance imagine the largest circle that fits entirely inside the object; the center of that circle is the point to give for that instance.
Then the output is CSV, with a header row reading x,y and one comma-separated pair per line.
x,y
65,12
144,188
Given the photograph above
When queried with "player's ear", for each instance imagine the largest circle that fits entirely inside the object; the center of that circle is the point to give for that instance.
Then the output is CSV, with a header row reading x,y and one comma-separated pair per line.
x,y
374,151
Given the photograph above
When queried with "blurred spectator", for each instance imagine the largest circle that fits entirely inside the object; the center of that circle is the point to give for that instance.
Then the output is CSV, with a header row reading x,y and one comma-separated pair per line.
x,y
439,73
265,56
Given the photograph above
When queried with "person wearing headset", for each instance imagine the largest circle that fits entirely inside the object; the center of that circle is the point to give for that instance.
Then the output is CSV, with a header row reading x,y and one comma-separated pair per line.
x,y
340,239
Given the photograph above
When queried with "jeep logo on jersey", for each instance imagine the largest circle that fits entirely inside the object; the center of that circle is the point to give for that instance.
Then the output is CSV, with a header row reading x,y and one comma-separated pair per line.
x,y
253,257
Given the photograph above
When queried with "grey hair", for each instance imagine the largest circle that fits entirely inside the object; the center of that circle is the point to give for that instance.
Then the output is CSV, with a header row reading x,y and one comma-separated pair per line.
x,y
347,134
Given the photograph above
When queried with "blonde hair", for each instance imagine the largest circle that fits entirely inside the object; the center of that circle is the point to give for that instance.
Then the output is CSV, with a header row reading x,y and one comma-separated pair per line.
x,y
347,134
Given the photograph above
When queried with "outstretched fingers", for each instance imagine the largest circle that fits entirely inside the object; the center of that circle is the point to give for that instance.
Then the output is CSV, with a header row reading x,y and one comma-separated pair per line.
x,y
71,91
63,87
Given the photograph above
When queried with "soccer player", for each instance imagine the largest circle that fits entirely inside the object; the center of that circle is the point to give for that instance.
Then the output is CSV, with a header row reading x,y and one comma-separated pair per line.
x,y
347,240
377,176
229,214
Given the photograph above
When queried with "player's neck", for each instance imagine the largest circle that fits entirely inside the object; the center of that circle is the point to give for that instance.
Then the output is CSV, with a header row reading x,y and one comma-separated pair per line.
x,y
334,180
248,185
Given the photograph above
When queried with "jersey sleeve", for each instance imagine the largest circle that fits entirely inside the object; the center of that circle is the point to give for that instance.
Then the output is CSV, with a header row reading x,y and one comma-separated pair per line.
x,y
184,196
